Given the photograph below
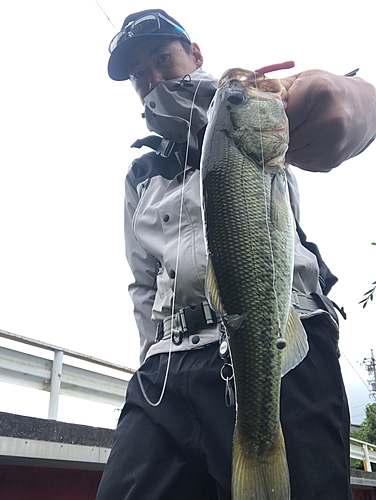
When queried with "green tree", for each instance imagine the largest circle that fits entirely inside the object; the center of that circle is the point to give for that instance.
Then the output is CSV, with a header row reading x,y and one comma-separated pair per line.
x,y
369,295
367,432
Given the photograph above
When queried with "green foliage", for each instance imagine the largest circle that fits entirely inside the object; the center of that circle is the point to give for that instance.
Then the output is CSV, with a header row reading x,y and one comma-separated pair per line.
x,y
367,433
356,464
369,295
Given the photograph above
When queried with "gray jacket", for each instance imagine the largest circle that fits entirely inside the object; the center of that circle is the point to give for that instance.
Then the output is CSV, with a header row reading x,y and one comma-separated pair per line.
x,y
166,251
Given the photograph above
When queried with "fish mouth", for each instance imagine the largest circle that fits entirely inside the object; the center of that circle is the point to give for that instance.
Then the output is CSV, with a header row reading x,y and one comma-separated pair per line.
x,y
254,85
251,80
242,75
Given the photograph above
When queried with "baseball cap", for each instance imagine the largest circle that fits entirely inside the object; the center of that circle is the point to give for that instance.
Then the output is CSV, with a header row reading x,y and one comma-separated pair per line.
x,y
136,28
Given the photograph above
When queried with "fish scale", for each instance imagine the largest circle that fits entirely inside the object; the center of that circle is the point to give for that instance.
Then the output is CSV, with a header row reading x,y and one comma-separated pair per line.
x,y
240,248
248,224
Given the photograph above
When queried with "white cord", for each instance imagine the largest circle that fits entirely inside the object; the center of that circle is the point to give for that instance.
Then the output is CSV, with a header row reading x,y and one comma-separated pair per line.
x,y
177,264
266,210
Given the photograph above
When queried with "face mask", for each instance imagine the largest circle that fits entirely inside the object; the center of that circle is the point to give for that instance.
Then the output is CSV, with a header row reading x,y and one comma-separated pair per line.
x,y
172,105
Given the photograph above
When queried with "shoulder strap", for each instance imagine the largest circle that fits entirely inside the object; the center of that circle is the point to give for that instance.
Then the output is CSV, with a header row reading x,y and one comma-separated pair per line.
x,y
161,146
166,147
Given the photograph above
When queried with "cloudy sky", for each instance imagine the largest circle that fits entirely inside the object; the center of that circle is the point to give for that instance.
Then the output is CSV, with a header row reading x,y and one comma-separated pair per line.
x,y
66,130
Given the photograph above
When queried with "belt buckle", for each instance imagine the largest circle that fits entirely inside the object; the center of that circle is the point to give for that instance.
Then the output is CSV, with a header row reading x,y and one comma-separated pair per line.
x,y
186,321
193,318
165,147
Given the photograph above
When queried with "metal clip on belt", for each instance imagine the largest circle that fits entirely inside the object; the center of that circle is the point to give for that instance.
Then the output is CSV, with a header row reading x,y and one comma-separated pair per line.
x,y
187,321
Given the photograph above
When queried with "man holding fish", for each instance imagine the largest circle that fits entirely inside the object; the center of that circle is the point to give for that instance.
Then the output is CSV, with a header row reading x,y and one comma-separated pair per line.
x,y
218,322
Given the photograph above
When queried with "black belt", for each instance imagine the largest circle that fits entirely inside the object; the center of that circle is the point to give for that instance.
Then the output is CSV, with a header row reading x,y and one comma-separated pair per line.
x,y
303,303
187,321
191,319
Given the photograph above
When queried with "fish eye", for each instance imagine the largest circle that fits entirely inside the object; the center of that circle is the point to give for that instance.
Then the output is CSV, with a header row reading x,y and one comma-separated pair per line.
x,y
236,98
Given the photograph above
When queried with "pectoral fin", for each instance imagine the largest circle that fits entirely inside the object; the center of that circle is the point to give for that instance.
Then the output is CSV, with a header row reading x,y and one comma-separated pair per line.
x,y
278,201
235,320
296,343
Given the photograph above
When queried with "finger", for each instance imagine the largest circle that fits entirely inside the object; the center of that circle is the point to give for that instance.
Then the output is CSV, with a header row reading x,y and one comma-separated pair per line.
x,y
289,80
300,102
299,159
302,157
309,150
302,137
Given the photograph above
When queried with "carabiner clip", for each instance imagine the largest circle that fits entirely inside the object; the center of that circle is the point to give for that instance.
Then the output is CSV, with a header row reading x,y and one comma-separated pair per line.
x,y
177,337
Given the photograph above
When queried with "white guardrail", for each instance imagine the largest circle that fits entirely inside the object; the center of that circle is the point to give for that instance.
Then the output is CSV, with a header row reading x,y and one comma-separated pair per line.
x,y
57,377
363,451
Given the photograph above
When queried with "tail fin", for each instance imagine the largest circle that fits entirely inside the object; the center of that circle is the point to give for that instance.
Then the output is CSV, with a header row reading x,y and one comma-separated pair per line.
x,y
263,477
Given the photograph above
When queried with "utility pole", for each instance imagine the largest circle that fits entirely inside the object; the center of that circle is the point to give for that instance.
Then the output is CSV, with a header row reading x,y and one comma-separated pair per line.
x,y
370,364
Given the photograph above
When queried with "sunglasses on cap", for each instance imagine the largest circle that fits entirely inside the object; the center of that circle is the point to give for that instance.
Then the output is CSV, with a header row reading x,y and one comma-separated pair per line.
x,y
145,25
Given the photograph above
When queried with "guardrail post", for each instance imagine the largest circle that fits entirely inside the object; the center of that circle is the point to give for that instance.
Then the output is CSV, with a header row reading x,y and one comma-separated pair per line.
x,y
366,461
57,369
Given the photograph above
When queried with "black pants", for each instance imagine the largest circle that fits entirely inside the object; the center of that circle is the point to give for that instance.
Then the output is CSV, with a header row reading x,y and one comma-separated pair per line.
x,y
181,450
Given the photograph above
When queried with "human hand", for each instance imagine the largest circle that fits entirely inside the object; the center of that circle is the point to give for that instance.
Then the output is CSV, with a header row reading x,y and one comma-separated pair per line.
x,y
331,118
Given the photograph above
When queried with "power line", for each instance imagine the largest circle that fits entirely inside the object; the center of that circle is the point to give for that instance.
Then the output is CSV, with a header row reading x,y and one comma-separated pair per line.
x,y
359,406
343,354
356,416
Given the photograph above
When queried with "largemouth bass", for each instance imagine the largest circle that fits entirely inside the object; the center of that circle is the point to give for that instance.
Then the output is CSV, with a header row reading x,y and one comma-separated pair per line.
x,y
250,240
